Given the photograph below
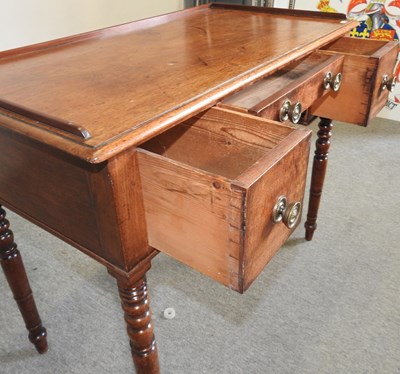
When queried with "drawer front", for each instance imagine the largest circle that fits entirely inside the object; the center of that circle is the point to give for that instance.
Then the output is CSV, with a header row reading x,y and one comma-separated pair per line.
x,y
361,97
299,83
209,188
284,176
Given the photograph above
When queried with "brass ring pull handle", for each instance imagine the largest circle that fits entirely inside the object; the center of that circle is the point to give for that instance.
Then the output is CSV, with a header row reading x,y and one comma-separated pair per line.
x,y
284,111
292,214
332,82
327,80
295,112
388,83
288,213
337,81
289,111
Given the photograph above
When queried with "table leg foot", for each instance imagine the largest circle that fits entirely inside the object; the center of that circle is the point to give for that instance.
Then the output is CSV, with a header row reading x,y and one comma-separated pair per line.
x,y
14,270
135,303
318,174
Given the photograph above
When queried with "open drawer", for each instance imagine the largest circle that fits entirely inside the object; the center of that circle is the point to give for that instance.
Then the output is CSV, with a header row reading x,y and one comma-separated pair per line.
x,y
367,79
211,187
285,94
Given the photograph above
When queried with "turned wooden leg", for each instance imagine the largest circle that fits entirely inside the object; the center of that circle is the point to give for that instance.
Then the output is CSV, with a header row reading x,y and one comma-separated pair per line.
x,y
135,303
318,175
14,270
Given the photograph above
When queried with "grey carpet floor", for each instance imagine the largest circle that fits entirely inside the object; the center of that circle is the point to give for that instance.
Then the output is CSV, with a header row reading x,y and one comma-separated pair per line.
x,y
327,306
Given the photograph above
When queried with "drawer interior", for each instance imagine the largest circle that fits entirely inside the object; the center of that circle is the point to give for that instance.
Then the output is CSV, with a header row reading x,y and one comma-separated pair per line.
x,y
366,64
218,144
300,82
287,79
210,185
356,47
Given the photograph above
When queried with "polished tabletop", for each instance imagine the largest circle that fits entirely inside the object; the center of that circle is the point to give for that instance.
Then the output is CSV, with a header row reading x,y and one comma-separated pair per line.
x,y
98,93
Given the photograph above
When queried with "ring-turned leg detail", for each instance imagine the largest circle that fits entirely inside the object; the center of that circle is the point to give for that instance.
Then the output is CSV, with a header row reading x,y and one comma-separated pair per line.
x,y
135,303
318,174
14,270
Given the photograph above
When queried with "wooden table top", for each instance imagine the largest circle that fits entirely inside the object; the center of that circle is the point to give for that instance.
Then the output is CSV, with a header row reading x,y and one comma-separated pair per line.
x,y
95,94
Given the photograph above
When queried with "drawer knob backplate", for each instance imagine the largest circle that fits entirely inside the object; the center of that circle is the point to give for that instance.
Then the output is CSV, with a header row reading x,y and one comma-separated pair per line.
x,y
388,83
332,82
289,111
284,111
295,112
327,80
337,81
288,213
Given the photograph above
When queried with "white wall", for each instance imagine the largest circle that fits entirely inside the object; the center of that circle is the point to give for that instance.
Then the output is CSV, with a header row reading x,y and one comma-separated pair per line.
x,y
306,4
24,22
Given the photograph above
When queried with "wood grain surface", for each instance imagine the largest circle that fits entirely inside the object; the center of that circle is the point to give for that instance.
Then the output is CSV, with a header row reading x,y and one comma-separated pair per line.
x,y
128,83
96,208
300,82
200,202
360,97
